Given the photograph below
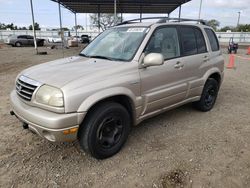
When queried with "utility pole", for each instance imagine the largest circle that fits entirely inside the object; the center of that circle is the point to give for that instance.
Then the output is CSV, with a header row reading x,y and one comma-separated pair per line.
x,y
238,22
200,9
33,26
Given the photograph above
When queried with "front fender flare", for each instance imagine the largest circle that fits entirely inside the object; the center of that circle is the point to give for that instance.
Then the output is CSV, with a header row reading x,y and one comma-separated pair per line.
x,y
103,94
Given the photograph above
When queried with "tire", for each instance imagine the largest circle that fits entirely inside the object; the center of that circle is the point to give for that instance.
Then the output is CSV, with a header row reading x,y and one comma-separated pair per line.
x,y
208,96
18,44
105,130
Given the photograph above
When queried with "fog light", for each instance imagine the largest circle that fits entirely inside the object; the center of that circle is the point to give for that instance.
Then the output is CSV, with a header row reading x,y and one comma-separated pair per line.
x,y
70,131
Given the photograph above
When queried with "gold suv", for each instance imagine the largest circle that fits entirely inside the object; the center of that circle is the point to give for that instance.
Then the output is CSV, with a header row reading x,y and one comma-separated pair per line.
x,y
127,74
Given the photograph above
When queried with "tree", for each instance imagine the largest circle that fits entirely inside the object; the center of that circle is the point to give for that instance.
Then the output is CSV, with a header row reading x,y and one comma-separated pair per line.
x,y
226,28
76,27
214,24
10,26
106,20
37,27
2,26
244,28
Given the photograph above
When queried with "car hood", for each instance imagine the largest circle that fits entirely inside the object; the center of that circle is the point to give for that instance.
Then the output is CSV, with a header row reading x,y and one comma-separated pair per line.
x,y
60,72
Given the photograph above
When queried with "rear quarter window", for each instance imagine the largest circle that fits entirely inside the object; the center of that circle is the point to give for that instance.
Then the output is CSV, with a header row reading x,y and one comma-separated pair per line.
x,y
214,43
201,44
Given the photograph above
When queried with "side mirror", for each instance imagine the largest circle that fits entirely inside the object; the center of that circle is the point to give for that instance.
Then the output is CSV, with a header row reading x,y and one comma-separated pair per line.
x,y
153,59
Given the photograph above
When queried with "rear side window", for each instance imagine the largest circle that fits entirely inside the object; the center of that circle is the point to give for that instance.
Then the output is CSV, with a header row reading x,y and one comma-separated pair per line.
x,y
201,44
22,37
188,41
29,37
212,39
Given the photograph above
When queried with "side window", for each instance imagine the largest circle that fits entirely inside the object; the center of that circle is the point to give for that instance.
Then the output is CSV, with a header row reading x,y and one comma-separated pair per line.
x,y
188,41
201,44
212,39
164,41
21,37
29,37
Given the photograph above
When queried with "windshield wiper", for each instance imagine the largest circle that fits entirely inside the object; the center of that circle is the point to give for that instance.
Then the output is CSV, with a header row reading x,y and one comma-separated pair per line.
x,y
101,57
84,55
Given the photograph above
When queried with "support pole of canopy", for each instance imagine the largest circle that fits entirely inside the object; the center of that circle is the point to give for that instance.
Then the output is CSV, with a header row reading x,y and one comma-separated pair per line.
x,y
76,24
33,26
99,26
179,12
61,30
121,17
115,12
140,13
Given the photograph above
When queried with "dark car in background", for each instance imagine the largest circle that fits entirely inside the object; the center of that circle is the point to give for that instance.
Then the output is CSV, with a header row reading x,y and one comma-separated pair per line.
x,y
23,40
85,39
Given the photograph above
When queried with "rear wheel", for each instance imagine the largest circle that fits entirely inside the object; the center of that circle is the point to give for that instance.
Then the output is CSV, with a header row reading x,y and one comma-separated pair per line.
x,y
105,130
18,44
208,96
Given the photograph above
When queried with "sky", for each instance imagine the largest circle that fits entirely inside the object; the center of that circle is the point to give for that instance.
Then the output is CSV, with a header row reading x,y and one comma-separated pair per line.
x,y
46,12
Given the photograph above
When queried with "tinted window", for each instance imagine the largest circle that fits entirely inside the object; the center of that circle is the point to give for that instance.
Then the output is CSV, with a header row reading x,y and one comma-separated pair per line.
x,y
188,41
164,41
212,39
22,37
29,37
201,44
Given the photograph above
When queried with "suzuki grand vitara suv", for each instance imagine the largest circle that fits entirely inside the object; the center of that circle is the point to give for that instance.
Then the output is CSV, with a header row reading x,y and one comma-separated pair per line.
x,y
127,74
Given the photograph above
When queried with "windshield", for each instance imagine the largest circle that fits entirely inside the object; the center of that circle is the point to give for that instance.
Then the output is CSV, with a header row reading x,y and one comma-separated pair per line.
x,y
116,44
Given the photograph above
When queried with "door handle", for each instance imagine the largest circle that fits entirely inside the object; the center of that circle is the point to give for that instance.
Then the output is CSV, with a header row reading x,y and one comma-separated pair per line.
x,y
205,58
178,65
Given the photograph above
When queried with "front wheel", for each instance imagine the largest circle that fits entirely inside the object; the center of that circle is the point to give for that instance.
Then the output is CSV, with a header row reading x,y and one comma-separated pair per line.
x,y
18,44
208,96
105,130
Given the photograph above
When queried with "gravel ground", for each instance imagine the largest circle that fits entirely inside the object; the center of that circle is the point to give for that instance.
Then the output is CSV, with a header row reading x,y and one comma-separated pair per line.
x,y
179,148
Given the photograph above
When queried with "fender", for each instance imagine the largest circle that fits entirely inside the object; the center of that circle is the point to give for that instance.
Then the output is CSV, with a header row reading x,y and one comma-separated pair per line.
x,y
110,92
210,72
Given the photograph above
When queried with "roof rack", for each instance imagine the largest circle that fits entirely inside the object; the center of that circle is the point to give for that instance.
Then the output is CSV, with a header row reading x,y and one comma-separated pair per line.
x,y
164,20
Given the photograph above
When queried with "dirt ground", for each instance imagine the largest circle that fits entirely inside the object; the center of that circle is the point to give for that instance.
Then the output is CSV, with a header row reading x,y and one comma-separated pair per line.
x,y
180,148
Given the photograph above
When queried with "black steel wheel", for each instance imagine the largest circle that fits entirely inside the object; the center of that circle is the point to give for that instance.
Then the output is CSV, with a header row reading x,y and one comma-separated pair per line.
x,y
105,130
208,96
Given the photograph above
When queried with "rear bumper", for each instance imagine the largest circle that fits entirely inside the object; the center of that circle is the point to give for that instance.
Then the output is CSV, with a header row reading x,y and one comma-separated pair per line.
x,y
52,126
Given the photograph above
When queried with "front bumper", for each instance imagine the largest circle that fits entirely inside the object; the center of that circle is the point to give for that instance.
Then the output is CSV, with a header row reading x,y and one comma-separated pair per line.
x,y
52,126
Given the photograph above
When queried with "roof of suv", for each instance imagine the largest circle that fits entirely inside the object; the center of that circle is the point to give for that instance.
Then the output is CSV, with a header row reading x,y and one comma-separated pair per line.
x,y
162,21
148,24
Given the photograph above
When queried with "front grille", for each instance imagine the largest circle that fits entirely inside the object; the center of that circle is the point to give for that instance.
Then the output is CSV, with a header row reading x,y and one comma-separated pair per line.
x,y
25,88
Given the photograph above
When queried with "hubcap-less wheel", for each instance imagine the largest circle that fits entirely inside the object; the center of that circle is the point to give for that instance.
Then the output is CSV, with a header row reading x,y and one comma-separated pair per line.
x,y
110,131
105,130
208,96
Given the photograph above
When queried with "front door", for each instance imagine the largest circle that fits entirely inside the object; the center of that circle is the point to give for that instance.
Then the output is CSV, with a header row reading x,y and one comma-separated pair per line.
x,y
165,85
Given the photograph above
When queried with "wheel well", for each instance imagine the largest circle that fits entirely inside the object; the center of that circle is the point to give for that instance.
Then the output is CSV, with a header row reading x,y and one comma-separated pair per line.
x,y
216,76
121,99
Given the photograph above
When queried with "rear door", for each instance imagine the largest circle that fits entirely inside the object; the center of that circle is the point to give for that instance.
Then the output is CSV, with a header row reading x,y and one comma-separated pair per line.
x,y
194,57
30,40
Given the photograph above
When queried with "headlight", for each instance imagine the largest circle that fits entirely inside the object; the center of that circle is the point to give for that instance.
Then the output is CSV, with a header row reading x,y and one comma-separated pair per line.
x,y
50,96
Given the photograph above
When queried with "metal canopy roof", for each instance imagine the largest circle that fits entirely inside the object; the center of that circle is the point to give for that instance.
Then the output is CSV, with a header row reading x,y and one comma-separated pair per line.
x,y
123,6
